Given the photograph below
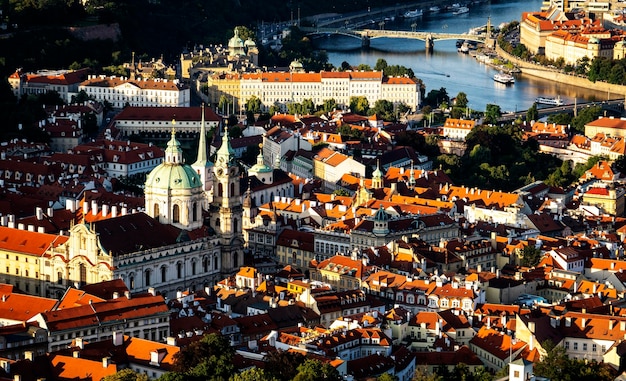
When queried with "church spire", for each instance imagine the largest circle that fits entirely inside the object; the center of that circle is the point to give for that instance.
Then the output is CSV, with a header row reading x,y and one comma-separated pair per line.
x,y
202,156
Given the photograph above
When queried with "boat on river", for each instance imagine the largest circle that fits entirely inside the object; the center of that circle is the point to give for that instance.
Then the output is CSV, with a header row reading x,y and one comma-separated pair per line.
x,y
460,11
549,101
434,9
505,78
415,13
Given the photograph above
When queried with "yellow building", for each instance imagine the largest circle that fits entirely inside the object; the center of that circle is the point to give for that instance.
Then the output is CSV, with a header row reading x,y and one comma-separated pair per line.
x,y
610,200
27,256
591,43
224,84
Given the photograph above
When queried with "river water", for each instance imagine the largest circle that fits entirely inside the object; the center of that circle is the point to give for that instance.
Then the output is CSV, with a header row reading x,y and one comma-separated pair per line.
x,y
456,72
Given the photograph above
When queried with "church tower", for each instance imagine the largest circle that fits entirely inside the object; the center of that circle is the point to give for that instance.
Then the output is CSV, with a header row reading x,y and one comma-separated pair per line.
x,y
226,207
203,165
377,177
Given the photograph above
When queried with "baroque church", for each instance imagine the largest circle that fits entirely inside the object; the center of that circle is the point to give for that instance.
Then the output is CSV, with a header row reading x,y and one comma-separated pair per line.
x,y
189,237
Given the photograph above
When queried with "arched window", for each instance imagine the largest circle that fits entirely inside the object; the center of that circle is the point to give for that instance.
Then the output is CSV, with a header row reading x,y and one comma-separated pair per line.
x,y
194,211
82,269
220,189
131,281
156,211
235,260
179,270
175,213
262,200
59,277
147,274
206,263
231,192
235,224
193,267
218,227
163,274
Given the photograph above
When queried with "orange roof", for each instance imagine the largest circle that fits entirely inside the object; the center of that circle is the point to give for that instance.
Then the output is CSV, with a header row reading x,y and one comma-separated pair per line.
x,y
27,242
459,123
78,369
74,297
21,307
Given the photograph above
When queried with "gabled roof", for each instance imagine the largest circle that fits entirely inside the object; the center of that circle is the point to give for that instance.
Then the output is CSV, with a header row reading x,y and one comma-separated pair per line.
x,y
21,307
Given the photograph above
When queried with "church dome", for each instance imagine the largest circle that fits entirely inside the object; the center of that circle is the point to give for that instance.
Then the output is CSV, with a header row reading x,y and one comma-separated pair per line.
x,y
173,176
235,44
173,173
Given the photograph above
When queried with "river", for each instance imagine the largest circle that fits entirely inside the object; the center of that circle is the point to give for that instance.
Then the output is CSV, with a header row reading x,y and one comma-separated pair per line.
x,y
454,71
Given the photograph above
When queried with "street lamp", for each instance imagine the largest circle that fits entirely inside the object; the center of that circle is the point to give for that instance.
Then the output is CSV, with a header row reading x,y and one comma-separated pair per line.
x,y
413,26
381,25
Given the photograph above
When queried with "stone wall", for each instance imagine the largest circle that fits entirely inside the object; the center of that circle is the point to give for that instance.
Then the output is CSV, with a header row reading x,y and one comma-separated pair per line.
x,y
540,71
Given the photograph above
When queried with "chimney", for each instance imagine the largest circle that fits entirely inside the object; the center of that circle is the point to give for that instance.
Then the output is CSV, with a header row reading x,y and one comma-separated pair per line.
x,y
76,354
28,355
105,210
114,211
39,213
94,207
116,295
106,361
152,291
79,343
127,294
118,338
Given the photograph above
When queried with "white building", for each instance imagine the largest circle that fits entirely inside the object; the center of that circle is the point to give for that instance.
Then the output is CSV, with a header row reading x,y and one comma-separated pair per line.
x,y
280,88
121,91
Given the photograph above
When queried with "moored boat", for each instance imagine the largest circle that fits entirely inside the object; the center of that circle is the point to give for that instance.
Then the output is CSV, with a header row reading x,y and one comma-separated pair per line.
x,y
434,9
413,14
504,78
460,11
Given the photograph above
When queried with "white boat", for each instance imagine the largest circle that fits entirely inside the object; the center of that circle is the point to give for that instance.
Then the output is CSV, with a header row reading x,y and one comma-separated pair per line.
x,y
434,9
413,14
549,101
504,78
461,11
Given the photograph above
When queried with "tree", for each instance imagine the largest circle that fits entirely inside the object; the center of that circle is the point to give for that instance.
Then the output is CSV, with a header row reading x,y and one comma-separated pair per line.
x,y
492,113
461,100
224,104
252,374
359,105
253,104
329,105
421,374
314,370
210,346
283,365
530,256
555,365
126,375
381,65
384,109
532,114
387,377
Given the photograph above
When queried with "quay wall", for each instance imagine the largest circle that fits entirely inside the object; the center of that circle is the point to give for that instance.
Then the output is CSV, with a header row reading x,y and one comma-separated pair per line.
x,y
535,70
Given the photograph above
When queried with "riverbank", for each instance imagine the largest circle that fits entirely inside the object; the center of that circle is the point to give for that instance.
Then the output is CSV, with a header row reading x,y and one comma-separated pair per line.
x,y
539,71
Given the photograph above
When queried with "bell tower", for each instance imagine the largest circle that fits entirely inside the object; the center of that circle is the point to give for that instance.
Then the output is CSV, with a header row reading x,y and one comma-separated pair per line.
x,y
226,207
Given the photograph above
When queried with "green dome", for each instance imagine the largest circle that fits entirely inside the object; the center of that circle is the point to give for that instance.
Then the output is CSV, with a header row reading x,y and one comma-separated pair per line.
x,y
173,176
172,173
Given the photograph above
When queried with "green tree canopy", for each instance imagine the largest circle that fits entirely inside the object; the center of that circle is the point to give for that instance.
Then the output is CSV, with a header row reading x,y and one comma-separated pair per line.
x,y
359,105
126,375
